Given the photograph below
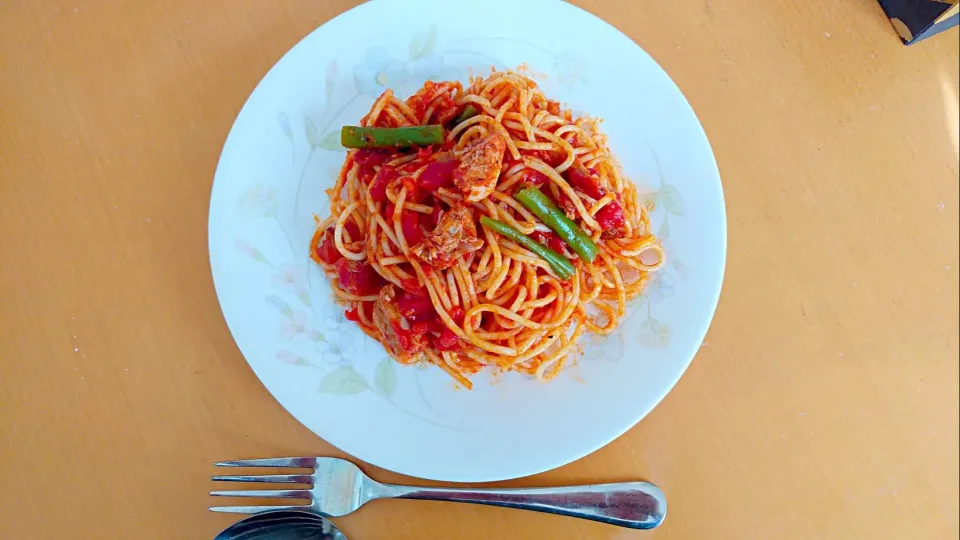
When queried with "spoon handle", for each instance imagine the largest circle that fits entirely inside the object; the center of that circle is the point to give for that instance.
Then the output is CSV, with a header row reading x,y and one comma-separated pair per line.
x,y
637,505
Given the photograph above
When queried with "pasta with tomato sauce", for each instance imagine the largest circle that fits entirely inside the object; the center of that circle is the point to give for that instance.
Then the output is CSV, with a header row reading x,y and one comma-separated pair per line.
x,y
483,226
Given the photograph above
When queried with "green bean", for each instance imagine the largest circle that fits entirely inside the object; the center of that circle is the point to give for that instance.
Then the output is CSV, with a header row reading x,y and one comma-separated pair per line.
x,y
469,112
542,207
560,264
377,137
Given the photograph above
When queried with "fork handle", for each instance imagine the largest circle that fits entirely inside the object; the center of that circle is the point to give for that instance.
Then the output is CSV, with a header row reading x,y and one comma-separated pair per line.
x,y
637,505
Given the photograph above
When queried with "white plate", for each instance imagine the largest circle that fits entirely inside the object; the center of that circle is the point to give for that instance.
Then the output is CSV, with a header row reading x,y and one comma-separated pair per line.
x,y
283,152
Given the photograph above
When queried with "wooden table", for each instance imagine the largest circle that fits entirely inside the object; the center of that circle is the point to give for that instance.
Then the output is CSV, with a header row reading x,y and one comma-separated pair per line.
x,y
824,403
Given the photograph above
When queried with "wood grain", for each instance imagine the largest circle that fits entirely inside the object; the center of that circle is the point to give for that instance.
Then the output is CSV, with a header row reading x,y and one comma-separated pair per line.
x,y
824,403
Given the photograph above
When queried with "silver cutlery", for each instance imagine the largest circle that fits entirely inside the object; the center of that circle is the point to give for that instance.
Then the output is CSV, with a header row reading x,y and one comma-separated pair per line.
x,y
338,487
283,525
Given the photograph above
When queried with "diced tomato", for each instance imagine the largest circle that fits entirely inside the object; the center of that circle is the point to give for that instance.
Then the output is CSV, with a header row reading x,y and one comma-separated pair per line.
x,y
358,277
327,249
446,113
552,241
535,178
414,193
588,183
404,337
438,174
378,188
388,211
447,341
550,157
362,308
351,228
436,215
564,203
611,220
416,308
371,156
410,225
457,314
411,286
421,328
368,158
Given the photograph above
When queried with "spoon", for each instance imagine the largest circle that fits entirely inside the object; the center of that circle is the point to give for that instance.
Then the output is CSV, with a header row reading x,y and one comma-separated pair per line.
x,y
282,525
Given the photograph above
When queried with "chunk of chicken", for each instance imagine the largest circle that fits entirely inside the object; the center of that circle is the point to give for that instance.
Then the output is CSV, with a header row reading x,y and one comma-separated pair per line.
x,y
479,168
402,344
454,236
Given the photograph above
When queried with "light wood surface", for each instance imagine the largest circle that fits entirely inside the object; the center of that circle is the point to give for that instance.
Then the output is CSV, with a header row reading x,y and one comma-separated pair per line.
x,y
824,403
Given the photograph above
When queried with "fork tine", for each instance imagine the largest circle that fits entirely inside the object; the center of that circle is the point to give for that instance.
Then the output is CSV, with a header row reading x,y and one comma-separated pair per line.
x,y
278,493
269,478
254,509
288,462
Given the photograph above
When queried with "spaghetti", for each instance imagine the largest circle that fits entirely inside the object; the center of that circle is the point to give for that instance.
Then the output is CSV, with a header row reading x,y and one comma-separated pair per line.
x,y
406,253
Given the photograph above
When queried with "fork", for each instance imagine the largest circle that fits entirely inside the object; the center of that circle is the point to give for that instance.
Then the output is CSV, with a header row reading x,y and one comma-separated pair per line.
x,y
338,487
